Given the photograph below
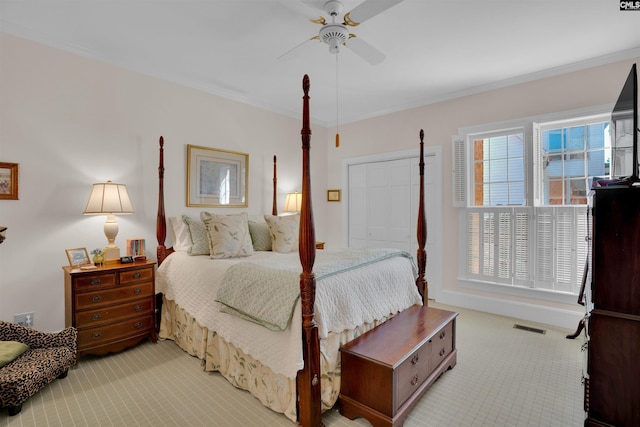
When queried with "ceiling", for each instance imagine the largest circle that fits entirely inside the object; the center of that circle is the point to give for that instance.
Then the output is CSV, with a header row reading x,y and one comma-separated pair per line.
x,y
435,49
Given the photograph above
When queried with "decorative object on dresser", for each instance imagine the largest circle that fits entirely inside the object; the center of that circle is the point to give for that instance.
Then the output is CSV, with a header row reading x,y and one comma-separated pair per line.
x,y
612,383
113,306
109,199
386,370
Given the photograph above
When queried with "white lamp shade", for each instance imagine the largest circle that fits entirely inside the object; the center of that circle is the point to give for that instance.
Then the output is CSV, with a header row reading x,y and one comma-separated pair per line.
x,y
293,202
108,198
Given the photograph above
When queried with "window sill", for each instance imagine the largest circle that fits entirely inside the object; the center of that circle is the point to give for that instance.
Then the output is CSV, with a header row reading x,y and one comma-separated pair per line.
x,y
519,291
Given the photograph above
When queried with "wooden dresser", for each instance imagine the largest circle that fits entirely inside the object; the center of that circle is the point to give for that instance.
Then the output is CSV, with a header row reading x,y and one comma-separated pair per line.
x,y
612,386
386,370
113,307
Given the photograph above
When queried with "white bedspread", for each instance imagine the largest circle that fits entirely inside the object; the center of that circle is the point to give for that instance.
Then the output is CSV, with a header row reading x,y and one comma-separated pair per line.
x,y
343,301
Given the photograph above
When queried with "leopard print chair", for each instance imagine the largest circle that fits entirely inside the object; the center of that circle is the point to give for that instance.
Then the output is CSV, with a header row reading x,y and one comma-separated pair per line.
x,y
50,355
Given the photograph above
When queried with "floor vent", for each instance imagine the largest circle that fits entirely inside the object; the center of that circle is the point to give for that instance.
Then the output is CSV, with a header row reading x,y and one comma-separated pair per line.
x,y
530,329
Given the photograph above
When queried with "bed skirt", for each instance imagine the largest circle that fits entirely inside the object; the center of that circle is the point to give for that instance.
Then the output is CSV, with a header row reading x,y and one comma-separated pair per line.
x,y
275,391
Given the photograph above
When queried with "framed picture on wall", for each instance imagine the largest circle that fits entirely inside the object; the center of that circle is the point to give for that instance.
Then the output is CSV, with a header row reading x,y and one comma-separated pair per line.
x,y
8,181
216,177
333,195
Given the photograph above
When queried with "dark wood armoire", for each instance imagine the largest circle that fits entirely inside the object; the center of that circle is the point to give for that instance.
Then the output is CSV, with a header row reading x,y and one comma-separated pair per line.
x,y
612,386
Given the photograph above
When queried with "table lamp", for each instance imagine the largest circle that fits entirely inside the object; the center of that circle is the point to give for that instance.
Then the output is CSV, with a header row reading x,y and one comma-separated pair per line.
x,y
293,202
109,199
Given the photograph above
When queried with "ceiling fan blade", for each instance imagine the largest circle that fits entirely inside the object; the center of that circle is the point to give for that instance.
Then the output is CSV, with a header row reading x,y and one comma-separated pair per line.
x,y
294,51
363,49
367,10
302,9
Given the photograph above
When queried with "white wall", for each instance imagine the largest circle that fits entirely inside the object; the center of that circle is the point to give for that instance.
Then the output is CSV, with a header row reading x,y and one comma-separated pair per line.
x,y
592,87
70,121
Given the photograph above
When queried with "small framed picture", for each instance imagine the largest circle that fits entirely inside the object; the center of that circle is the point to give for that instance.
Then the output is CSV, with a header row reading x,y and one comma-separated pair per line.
x,y
8,181
333,195
78,257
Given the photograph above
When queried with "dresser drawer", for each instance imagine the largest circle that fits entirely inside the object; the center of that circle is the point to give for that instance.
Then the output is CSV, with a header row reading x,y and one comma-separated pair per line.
x,y
94,299
94,281
442,344
111,314
411,373
139,275
92,337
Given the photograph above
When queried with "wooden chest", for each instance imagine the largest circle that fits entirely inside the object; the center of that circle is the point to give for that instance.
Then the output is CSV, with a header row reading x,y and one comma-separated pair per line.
x,y
386,370
113,307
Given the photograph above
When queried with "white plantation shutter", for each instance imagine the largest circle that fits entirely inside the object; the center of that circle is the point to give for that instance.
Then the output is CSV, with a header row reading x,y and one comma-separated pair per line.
x,y
488,243
459,169
504,237
565,253
473,243
521,246
544,248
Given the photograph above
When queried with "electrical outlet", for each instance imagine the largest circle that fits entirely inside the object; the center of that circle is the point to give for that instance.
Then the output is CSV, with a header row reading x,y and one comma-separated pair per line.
x,y
24,319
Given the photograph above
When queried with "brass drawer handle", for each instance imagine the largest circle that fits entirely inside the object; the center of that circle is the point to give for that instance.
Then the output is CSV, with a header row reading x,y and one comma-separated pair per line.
x,y
138,325
137,307
137,291
443,334
97,316
96,335
441,352
414,359
414,380
137,275
96,298
96,281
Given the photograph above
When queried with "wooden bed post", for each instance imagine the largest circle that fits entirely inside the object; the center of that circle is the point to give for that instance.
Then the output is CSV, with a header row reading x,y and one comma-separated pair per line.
x,y
161,226
421,282
308,379
274,205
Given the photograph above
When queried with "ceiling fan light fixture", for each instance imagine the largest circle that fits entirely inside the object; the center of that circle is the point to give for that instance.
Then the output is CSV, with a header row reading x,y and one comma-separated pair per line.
x,y
334,35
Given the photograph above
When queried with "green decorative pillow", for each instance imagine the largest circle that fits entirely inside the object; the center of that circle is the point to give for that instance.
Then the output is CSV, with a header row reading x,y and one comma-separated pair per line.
x,y
260,236
10,350
284,232
228,235
198,233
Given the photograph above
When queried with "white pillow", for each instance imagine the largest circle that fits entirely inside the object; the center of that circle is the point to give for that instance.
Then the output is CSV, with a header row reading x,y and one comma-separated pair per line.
x,y
181,237
284,232
228,235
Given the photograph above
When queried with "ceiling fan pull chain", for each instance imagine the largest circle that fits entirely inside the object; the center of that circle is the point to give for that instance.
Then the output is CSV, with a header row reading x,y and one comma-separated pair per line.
x,y
337,107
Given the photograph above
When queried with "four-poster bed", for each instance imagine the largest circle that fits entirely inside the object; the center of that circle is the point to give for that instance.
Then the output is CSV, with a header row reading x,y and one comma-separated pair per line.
x,y
312,336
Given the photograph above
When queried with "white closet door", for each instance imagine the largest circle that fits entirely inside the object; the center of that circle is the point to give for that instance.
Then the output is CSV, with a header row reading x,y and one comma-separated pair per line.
x,y
358,205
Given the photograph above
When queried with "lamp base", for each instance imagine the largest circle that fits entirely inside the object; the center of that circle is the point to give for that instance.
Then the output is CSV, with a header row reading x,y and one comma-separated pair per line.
x,y
111,253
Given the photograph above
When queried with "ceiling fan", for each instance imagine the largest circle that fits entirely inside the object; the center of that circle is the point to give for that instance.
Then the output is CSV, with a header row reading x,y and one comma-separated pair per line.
x,y
336,34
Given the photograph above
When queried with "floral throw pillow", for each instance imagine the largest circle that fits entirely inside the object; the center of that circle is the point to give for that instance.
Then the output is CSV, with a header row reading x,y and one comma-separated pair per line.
x,y
228,235
284,232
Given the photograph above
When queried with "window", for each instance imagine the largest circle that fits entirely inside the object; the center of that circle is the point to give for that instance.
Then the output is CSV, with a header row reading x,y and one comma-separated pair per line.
x,y
498,170
525,221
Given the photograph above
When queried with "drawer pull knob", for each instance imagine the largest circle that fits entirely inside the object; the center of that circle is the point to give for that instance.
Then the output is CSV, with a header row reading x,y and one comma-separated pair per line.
x,y
414,359
96,281
137,291
441,352
137,307
97,316
138,325
314,381
96,298
414,380
137,275
443,334
96,335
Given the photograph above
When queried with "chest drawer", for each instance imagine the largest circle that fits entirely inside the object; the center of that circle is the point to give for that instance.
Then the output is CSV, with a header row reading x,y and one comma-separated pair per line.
x,y
94,281
140,275
93,337
442,344
114,313
412,372
93,299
